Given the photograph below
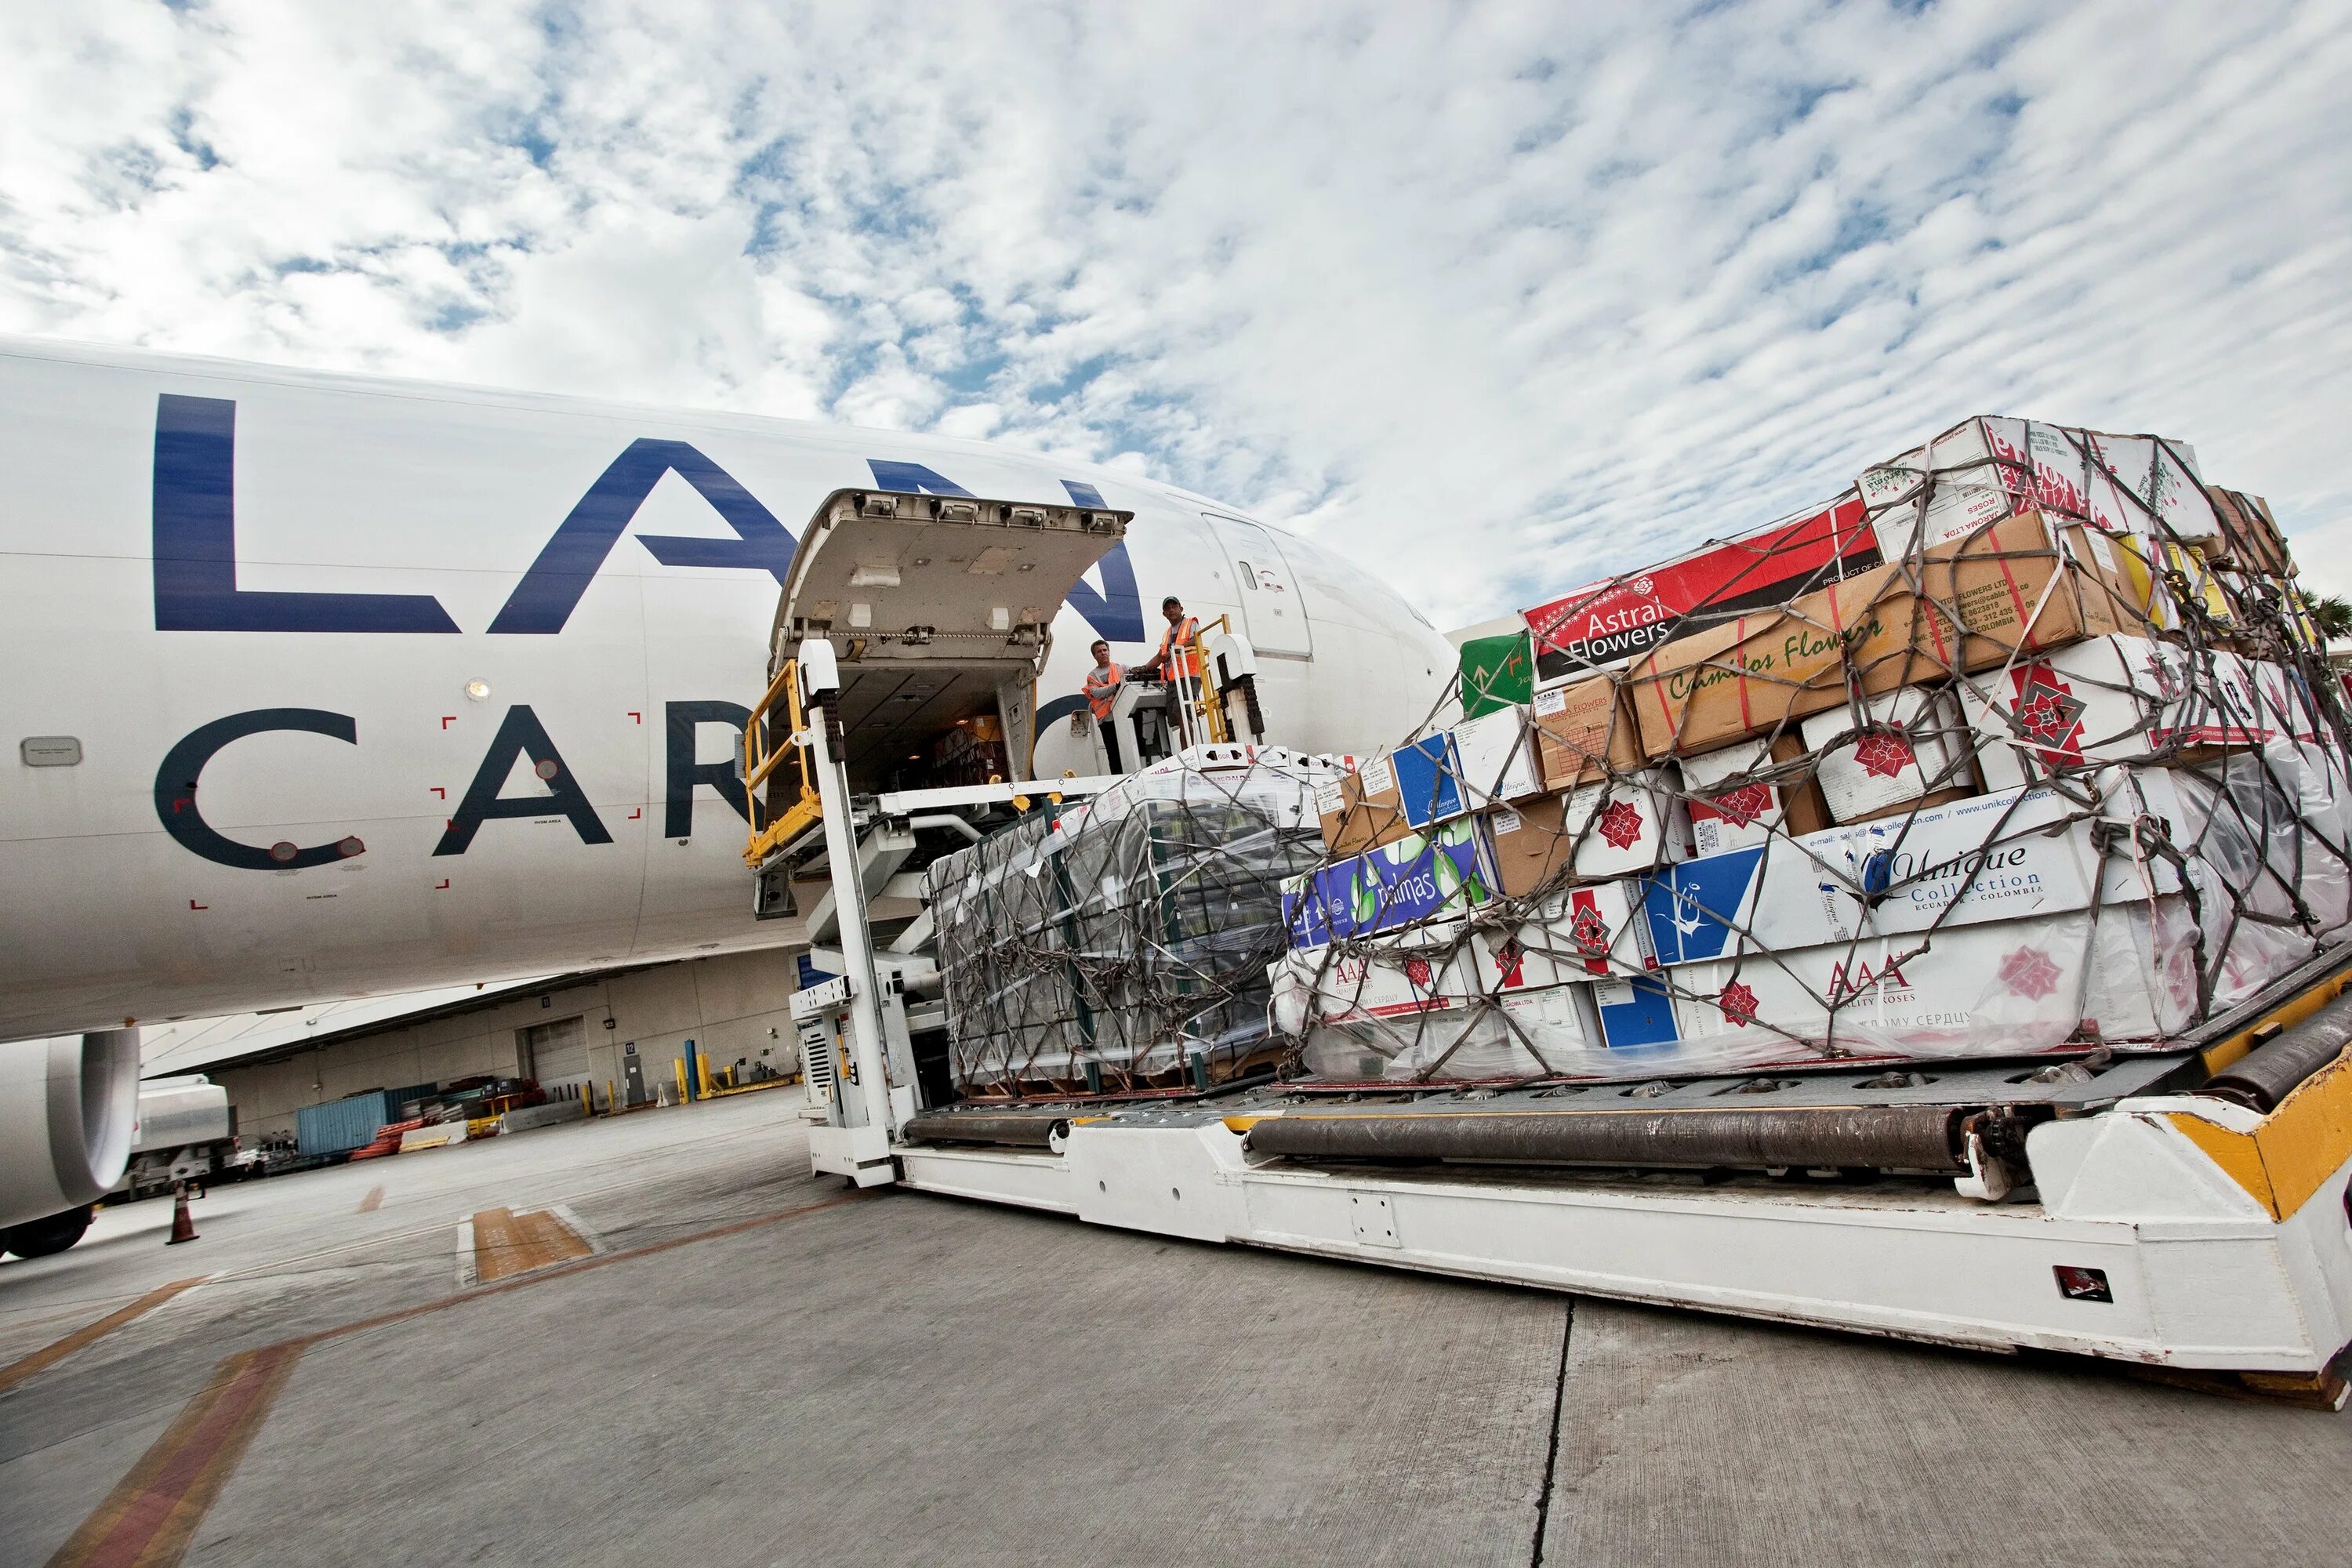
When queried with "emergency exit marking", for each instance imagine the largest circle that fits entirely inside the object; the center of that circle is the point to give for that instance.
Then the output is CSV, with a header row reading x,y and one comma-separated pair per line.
x,y
2083,1284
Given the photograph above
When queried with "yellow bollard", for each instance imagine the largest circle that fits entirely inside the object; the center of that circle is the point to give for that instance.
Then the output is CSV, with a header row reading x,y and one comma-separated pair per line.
x,y
610,1104
702,1071
679,1064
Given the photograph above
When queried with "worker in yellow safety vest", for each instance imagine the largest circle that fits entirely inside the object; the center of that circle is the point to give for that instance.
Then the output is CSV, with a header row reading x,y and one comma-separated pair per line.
x,y
1103,681
1175,657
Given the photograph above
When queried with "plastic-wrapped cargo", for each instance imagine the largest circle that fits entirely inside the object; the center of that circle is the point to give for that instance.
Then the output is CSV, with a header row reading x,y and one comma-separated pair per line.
x,y
2053,762
1120,945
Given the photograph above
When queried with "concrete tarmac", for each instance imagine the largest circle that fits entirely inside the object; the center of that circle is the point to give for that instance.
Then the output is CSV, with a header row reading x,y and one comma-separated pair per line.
x,y
803,1376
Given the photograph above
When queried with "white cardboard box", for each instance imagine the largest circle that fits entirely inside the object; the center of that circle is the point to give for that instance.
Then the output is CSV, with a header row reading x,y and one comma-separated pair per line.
x,y
1734,817
1991,857
1989,468
1497,758
1579,934
1431,1006
2111,700
1909,743
2125,974
1628,824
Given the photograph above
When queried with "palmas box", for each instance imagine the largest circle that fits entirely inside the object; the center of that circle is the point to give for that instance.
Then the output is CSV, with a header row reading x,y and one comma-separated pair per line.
x,y
1414,879
2007,587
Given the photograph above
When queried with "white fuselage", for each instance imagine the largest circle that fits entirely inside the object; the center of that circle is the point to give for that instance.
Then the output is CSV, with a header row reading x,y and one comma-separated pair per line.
x,y
324,600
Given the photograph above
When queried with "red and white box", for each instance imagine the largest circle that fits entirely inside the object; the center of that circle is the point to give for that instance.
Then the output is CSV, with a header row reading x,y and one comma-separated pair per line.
x,y
2111,700
1628,824
1604,623
1434,1006
1578,934
1729,808
1989,468
1907,746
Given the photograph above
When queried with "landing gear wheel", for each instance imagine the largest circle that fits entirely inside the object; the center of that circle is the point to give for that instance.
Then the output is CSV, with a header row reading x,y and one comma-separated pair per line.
x,y
41,1237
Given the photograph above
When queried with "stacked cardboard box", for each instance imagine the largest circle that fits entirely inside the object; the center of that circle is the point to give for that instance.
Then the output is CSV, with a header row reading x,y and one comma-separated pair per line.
x,y
2019,747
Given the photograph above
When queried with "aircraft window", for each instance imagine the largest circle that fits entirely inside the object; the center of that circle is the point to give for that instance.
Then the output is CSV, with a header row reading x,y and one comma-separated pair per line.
x,y
1248,573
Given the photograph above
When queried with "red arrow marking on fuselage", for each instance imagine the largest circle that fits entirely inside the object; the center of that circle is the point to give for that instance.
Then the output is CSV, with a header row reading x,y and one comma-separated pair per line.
x,y
193,905
444,883
447,720
436,789
638,716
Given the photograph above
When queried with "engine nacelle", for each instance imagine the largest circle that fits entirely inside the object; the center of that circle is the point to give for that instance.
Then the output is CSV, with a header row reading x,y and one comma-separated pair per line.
x,y
69,1112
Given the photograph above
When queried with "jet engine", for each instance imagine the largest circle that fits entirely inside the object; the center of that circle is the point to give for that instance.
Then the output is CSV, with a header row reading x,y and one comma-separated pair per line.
x,y
69,1112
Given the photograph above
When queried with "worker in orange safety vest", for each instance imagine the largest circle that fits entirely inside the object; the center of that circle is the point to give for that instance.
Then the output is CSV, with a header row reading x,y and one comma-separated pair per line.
x,y
1175,657
1103,682
1102,693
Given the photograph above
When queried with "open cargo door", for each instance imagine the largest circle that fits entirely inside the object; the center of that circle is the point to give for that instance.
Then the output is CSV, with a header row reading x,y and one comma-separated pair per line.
x,y
939,609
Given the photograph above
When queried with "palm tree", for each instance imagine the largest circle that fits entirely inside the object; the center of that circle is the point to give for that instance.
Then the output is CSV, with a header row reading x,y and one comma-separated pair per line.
x,y
2333,617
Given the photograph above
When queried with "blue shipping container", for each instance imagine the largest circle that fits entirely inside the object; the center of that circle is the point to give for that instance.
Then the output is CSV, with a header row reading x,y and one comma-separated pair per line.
x,y
342,1125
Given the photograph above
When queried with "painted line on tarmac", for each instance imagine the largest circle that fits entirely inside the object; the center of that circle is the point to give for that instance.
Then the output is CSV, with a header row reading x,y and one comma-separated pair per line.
x,y
507,1244
49,1355
153,1512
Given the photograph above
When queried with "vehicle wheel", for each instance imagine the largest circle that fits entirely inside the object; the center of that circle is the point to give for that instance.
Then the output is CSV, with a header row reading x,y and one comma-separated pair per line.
x,y
40,1237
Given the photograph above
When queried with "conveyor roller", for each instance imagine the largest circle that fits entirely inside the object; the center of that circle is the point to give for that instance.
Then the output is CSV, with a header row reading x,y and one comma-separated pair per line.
x,y
1903,1137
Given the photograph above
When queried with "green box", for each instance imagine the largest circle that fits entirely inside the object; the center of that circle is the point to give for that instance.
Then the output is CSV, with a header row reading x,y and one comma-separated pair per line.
x,y
1496,673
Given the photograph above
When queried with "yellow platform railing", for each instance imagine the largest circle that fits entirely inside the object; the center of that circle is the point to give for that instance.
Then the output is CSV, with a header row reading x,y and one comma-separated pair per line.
x,y
764,753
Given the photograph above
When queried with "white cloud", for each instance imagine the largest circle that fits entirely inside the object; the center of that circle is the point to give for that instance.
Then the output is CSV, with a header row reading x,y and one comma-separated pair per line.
x,y
1497,297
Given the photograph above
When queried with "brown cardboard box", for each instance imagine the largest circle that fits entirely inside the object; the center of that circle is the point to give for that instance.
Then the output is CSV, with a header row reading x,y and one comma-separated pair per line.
x,y
1584,733
2008,585
2251,541
1352,822
1531,845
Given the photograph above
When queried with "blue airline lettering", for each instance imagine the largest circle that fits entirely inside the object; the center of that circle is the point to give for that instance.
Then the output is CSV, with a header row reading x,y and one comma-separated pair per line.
x,y
684,773
194,537
1117,613
183,765
521,732
912,478
194,534
570,558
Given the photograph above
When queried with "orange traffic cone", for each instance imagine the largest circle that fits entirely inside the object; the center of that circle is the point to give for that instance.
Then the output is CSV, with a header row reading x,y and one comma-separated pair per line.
x,y
184,1225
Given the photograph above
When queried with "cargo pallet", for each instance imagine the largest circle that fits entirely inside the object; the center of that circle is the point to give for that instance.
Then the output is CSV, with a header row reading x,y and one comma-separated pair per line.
x,y
2105,1206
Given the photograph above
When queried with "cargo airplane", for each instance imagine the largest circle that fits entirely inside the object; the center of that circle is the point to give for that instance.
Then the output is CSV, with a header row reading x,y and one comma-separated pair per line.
x,y
328,686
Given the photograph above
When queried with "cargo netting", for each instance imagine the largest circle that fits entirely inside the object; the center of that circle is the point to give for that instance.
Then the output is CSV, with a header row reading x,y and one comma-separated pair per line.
x,y
2027,743
1120,945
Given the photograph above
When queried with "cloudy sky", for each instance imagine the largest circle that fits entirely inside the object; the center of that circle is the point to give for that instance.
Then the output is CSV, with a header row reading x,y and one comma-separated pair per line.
x,y
1500,296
